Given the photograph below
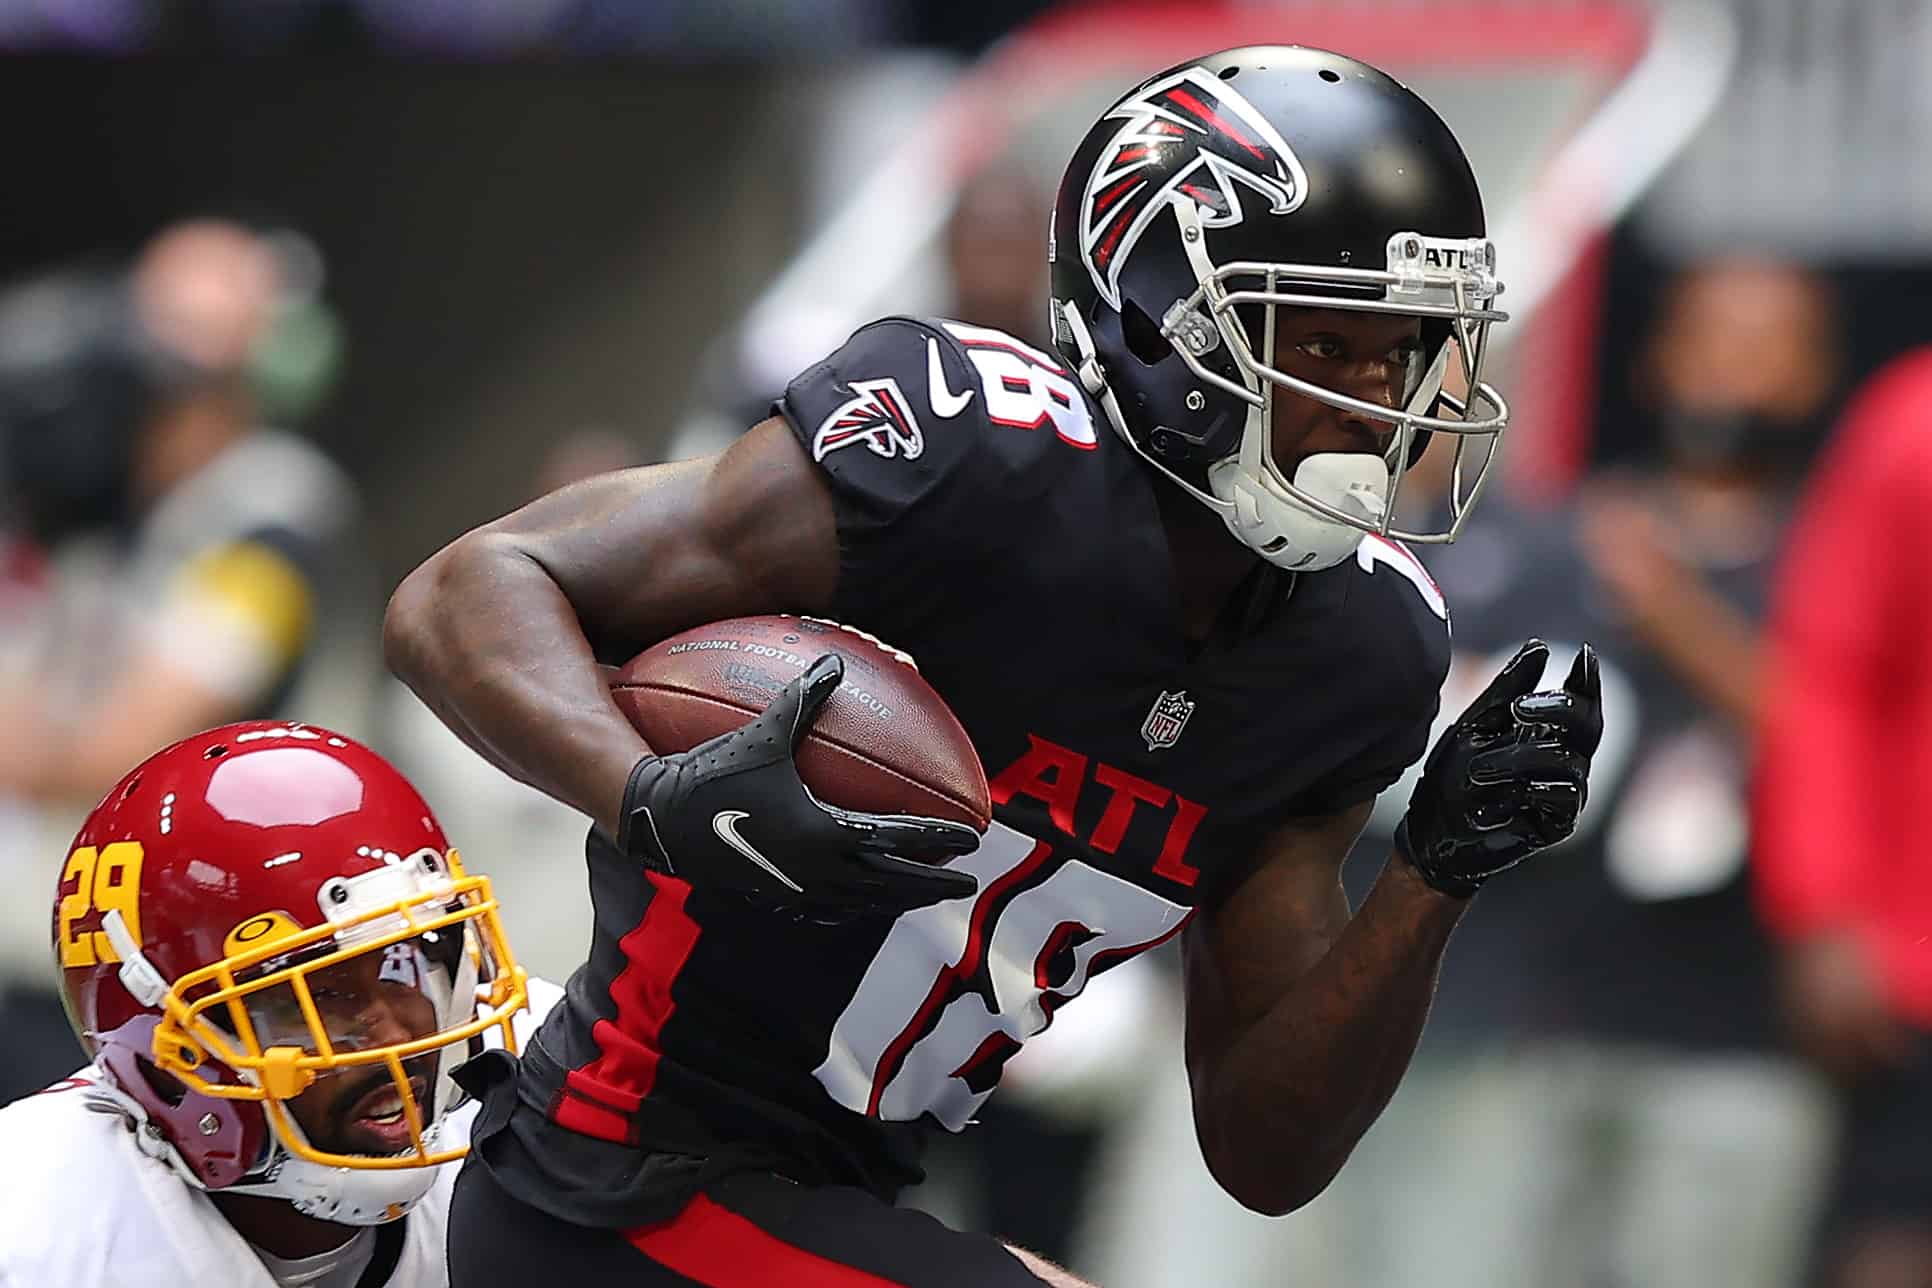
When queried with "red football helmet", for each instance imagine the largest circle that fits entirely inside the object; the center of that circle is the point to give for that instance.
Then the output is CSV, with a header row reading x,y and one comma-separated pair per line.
x,y
276,959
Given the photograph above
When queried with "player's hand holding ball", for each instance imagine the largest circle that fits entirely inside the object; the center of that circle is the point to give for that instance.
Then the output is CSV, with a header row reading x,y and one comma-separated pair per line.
x,y
733,813
1508,778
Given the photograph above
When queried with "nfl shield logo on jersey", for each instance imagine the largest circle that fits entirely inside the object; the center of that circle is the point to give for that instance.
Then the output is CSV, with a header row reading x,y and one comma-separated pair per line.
x,y
1166,719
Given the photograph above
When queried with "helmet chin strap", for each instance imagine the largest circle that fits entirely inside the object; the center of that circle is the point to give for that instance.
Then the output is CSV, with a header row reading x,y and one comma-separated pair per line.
x,y
1267,520
344,1195
325,1193
1287,533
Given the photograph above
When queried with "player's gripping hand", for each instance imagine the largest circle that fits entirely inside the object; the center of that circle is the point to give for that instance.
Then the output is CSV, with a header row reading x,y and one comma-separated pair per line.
x,y
733,814
1508,777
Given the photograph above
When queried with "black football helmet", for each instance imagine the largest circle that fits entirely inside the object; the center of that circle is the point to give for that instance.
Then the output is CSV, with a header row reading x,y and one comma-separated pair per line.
x,y
1249,180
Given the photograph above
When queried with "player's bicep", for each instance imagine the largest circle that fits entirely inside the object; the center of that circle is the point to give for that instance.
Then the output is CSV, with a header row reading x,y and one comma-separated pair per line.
x,y
1247,949
644,553
897,421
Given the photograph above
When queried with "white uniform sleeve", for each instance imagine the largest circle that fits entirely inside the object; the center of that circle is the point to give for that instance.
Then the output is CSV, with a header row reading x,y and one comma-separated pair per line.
x,y
106,1216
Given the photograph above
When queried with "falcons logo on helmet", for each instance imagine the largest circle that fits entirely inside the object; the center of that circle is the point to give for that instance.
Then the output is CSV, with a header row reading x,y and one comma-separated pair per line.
x,y
1192,135
879,417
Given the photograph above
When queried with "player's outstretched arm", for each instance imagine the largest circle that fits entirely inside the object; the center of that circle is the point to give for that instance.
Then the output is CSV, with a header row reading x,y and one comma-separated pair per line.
x,y
502,631
1300,1019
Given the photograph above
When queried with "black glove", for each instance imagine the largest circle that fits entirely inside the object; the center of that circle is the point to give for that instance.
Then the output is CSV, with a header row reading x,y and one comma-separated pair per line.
x,y
1508,777
732,814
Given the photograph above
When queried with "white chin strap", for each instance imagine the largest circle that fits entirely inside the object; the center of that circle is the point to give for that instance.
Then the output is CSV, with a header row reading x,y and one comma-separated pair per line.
x,y
348,1196
1264,517
1261,513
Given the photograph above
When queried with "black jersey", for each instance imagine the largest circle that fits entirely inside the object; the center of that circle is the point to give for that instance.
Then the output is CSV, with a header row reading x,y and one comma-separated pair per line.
x,y
994,527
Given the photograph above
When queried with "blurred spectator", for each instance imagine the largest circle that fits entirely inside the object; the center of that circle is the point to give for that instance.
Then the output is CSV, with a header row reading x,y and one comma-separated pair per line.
x,y
996,255
187,553
1664,1137
1844,872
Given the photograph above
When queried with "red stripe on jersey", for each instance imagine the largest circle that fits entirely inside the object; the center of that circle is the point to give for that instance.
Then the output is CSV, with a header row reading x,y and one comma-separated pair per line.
x,y
1215,119
587,1119
714,1245
615,1099
624,1072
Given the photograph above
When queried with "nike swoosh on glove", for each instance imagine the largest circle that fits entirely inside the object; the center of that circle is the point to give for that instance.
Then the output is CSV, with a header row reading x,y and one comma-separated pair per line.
x,y
732,814
1508,778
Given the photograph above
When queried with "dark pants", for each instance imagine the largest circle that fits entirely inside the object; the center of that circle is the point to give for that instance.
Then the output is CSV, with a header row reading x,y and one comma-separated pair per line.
x,y
41,1048
752,1228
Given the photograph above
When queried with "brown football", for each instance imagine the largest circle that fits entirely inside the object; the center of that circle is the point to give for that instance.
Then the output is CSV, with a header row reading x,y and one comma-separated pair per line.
x,y
884,743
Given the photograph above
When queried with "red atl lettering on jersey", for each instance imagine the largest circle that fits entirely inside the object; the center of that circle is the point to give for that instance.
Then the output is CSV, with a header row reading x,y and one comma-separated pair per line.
x,y
1056,776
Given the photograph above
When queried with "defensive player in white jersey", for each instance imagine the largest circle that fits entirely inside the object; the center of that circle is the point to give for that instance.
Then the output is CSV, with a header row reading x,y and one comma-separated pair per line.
x,y
275,960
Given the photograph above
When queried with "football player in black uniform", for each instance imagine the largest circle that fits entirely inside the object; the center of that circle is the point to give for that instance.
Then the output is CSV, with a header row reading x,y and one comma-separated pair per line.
x,y
1153,572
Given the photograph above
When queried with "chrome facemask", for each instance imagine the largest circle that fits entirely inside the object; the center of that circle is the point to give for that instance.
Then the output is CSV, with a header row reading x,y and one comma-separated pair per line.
x,y
1452,281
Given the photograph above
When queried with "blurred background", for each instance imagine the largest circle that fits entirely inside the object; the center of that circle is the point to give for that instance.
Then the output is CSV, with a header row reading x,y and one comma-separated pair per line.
x,y
294,291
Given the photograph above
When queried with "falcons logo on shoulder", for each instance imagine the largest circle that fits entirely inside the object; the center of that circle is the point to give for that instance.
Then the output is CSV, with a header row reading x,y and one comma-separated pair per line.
x,y
1189,135
878,416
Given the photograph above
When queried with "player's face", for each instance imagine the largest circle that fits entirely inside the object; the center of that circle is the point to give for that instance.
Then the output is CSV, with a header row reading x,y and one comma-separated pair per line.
x,y
379,998
1375,357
